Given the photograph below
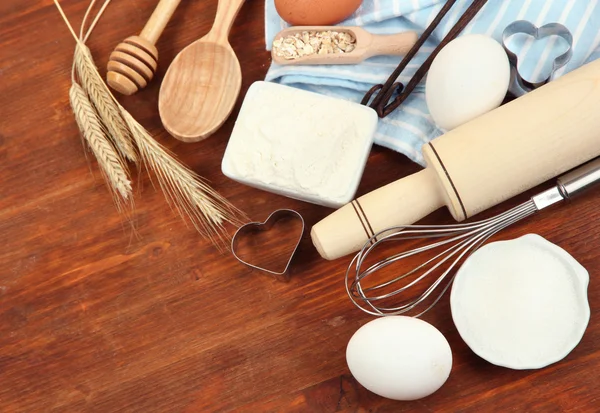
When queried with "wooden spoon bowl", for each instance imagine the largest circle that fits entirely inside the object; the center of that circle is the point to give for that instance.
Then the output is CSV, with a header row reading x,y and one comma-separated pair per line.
x,y
203,83
196,101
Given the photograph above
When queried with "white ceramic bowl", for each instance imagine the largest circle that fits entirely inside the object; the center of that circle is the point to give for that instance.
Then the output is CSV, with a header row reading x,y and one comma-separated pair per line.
x,y
522,303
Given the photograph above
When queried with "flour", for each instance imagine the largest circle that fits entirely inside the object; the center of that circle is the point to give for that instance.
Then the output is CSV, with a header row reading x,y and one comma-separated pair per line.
x,y
521,303
300,144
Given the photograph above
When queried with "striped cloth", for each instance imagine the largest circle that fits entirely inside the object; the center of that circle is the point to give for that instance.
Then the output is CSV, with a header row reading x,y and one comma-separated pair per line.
x,y
410,126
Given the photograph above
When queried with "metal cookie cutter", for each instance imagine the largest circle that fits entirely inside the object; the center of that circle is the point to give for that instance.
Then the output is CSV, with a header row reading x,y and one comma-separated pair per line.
x,y
518,85
251,228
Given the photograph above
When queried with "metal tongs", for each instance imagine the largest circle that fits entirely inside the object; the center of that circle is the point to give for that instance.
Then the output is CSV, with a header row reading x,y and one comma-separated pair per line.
x,y
381,103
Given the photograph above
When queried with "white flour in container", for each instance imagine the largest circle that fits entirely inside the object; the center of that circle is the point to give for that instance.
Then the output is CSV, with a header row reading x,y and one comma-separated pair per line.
x,y
300,144
521,303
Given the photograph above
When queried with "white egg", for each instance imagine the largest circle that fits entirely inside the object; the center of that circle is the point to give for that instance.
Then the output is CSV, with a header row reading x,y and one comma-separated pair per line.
x,y
400,358
468,77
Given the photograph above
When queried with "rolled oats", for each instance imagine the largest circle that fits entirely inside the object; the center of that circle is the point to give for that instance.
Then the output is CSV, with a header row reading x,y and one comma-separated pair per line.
x,y
307,43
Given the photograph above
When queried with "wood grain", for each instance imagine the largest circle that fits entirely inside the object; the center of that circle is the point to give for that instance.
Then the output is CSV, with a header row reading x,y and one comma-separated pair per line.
x,y
94,318
202,84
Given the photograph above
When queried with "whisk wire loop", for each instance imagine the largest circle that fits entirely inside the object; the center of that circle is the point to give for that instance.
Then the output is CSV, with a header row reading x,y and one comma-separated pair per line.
x,y
460,240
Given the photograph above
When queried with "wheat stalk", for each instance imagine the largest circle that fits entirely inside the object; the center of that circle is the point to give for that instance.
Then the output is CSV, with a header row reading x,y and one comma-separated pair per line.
x,y
94,134
185,190
103,101
97,111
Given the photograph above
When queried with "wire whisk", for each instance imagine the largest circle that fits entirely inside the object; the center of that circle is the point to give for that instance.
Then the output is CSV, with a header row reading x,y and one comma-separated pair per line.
x,y
459,241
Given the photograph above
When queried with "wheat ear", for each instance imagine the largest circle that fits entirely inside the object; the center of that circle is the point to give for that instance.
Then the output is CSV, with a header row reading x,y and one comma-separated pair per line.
x,y
94,134
102,99
185,190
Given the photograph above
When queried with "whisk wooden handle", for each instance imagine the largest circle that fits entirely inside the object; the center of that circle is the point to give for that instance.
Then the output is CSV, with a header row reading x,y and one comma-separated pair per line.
x,y
403,201
133,62
483,162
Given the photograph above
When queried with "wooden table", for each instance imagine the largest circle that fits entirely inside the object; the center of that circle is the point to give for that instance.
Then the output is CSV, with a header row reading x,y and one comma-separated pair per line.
x,y
95,318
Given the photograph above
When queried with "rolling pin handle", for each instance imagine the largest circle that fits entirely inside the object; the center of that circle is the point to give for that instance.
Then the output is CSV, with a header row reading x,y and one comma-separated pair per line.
x,y
400,203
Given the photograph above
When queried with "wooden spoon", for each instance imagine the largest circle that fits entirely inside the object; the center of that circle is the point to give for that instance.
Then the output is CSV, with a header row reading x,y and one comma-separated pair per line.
x,y
367,45
202,84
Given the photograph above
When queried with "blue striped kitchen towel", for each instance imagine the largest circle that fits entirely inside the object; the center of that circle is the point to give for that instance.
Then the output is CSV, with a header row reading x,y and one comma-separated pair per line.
x,y
410,126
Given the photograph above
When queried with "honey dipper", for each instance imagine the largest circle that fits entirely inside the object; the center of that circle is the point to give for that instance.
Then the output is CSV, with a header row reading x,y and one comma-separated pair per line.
x,y
133,62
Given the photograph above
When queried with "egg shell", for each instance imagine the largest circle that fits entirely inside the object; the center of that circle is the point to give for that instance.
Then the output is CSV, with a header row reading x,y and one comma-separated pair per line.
x,y
315,12
468,77
400,358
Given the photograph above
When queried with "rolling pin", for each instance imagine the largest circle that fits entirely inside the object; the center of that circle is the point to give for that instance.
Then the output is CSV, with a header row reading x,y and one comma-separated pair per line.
x,y
481,163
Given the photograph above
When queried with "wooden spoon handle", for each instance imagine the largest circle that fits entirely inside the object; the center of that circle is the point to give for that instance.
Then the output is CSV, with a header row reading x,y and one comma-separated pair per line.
x,y
159,19
227,10
391,44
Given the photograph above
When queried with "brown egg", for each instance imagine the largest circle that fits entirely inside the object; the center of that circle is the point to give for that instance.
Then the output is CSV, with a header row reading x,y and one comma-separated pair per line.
x,y
315,12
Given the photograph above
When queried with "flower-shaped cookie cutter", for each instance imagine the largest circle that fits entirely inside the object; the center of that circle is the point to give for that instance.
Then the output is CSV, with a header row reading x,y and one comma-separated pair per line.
x,y
518,85
266,226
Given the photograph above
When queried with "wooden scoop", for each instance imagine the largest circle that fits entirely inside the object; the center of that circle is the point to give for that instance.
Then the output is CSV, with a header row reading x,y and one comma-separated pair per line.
x,y
366,45
202,84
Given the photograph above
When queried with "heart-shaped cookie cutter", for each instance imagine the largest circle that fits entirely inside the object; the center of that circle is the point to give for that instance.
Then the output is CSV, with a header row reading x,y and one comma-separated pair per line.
x,y
267,225
519,86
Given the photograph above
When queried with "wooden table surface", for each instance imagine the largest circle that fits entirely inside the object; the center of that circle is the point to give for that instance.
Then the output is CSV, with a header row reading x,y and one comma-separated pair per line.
x,y
95,318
